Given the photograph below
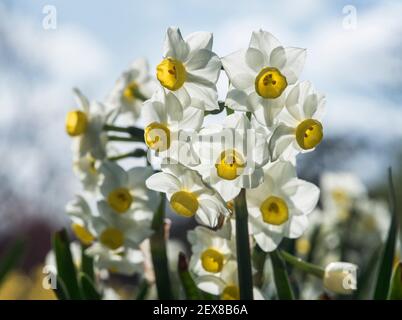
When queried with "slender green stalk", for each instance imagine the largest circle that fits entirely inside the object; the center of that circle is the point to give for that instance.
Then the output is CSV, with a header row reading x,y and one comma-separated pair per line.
x,y
243,248
134,132
137,153
259,258
281,278
159,255
190,288
303,265
143,290
388,253
124,139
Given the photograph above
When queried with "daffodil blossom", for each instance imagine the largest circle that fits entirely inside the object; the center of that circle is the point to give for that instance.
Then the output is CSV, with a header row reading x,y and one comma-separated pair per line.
x,y
300,128
126,263
85,126
231,155
125,191
226,284
86,169
340,277
168,126
279,207
210,251
190,69
81,217
188,195
133,87
260,75
116,232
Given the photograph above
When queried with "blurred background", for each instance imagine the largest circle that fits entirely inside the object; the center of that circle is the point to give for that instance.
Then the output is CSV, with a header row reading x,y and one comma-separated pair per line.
x,y
354,57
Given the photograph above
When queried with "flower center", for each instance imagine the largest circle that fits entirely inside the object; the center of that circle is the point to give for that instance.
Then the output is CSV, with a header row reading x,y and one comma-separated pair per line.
x,y
270,83
120,199
231,292
82,234
112,238
274,211
171,74
230,164
130,91
184,203
212,260
309,134
76,123
157,136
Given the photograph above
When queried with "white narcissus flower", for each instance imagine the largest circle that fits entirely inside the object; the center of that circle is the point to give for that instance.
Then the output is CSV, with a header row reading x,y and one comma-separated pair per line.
x,y
86,168
226,285
210,251
190,69
85,125
188,195
168,125
340,277
81,217
126,263
231,155
260,75
115,232
133,87
300,128
125,191
279,206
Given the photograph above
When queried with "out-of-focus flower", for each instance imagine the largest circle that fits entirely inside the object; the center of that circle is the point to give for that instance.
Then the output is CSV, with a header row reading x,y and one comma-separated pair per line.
x,y
260,75
227,162
188,195
299,128
190,69
125,191
210,252
85,126
165,119
279,206
340,277
86,169
130,91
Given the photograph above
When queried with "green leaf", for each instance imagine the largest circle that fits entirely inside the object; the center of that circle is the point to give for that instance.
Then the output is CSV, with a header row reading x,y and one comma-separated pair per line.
x,y
281,279
65,266
87,265
88,289
143,290
159,255
365,284
11,258
61,291
395,291
259,258
385,270
243,248
190,288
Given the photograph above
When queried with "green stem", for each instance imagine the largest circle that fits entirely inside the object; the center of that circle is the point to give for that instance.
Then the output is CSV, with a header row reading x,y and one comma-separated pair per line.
x,y
132,131
190,288
303,265
137,153
124,139
243,247
159,255
259,258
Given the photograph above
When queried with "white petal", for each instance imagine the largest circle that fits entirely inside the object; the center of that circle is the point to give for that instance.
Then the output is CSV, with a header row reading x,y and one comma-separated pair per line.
x,y
264,41
199,40
114,177
192,119
202,96
306,196
297,226
204,64
173,107
295,59
81,100
254,59
210,284
237,70
174,46
278,58
281,138
163,182
237,100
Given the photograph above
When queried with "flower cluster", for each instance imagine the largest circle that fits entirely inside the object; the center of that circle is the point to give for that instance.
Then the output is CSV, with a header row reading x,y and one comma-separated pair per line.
x,y
203,170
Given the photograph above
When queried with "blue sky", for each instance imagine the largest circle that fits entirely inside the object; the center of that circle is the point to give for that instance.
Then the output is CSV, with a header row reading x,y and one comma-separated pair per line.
x,y
359,70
